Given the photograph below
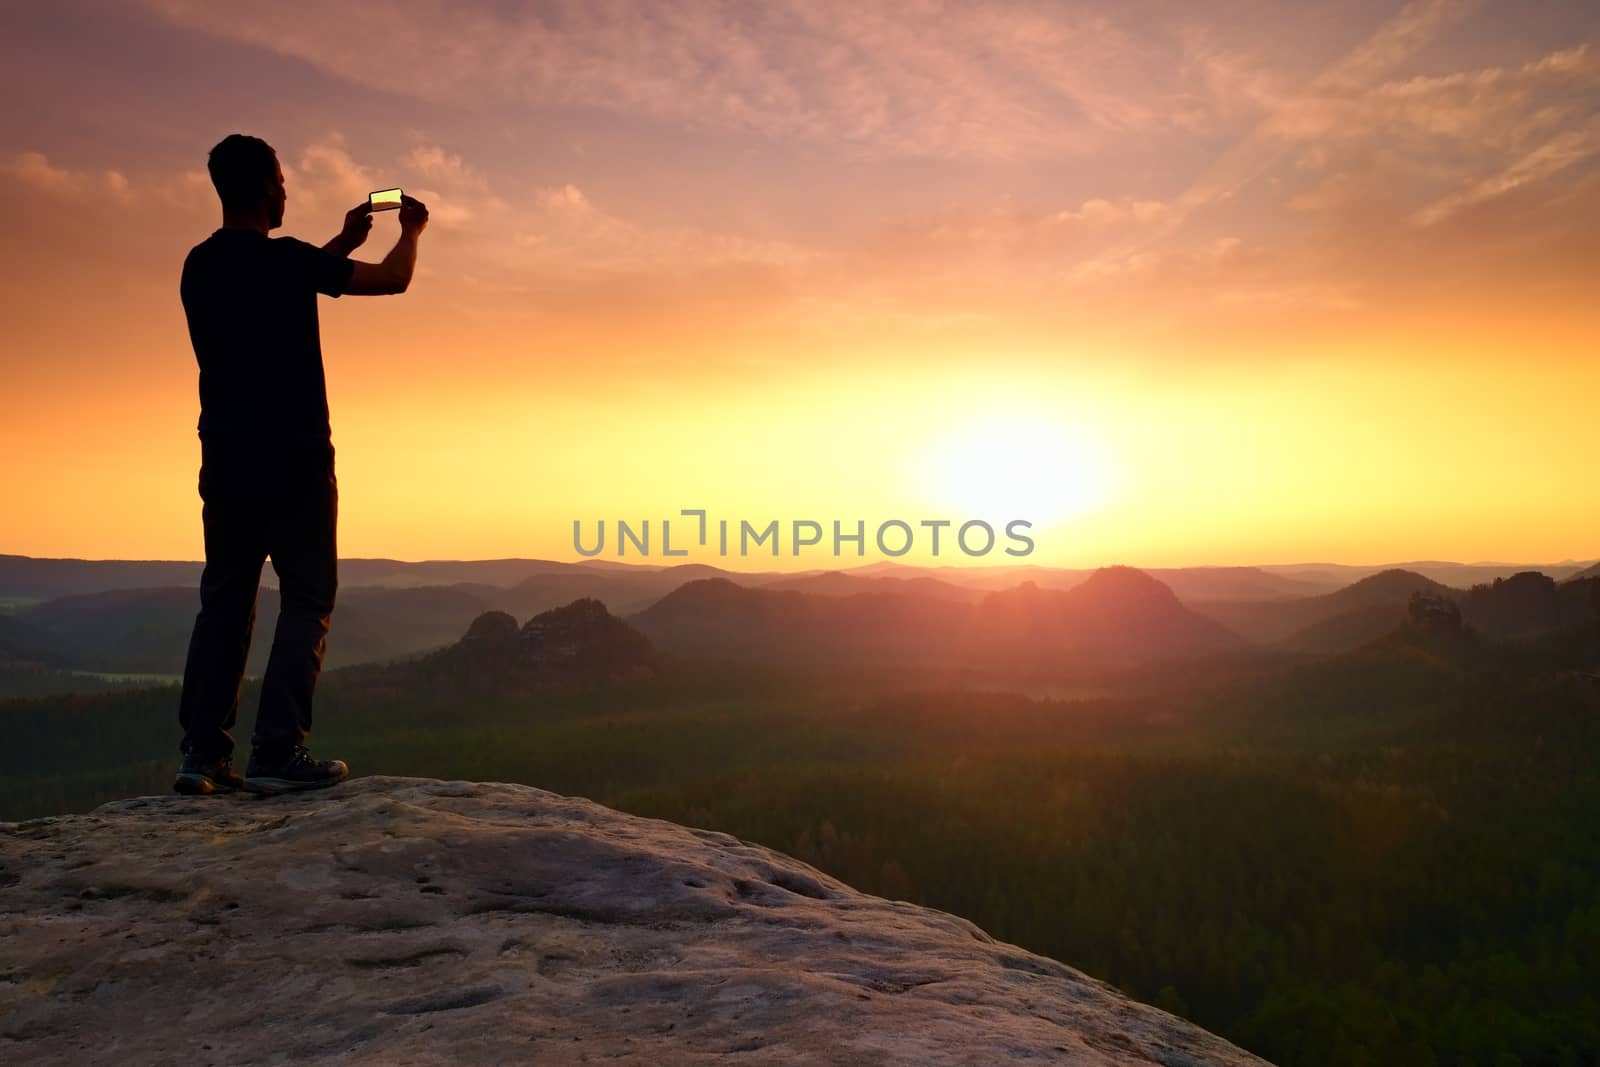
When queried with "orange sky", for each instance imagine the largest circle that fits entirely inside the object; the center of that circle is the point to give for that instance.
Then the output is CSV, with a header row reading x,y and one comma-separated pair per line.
x,y
1180,284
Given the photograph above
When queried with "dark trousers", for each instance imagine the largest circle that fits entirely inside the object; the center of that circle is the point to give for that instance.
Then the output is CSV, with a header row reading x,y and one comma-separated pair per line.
x,y
258,501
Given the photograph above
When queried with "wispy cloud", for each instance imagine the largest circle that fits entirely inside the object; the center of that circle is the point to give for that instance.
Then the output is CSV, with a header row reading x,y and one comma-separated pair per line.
x,y
983,80
1357,71
1557,154
1490,107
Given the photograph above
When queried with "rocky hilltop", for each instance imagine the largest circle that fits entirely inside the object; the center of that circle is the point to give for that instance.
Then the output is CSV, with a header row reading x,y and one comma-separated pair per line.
x,y
580,644
411,921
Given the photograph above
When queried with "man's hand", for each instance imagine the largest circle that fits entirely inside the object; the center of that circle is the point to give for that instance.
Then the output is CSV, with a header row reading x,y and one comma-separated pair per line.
x,y
357,224
413,214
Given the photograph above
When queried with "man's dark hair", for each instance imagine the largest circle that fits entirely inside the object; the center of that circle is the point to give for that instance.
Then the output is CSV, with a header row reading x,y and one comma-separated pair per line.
x,y
241,166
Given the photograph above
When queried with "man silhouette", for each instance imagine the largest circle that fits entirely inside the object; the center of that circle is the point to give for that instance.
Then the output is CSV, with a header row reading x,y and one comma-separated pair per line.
x,y
267,481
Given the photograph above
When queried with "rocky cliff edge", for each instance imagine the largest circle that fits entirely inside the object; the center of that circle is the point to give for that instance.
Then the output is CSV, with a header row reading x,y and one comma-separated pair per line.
x,y
410,921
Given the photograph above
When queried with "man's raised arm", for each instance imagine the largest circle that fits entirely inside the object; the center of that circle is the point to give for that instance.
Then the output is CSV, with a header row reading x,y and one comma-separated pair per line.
x,y
357,224
393,275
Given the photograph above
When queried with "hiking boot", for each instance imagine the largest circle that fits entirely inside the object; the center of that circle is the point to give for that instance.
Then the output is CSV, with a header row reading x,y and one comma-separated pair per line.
x,y
202,775
270,774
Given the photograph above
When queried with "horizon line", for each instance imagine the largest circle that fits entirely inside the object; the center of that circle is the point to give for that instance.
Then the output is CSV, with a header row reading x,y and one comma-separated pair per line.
x,y
1580,563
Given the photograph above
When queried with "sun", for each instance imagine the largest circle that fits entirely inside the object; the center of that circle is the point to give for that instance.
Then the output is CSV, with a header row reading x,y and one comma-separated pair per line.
x,y
1005,467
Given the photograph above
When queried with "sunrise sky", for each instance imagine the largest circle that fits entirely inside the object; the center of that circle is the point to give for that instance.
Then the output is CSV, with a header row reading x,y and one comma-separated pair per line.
x,y
1234,282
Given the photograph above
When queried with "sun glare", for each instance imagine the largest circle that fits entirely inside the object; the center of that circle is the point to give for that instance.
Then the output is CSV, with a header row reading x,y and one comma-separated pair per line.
x,y
1040,469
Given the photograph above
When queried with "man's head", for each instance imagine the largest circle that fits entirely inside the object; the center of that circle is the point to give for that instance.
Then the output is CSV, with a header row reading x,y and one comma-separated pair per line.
x,y
248,178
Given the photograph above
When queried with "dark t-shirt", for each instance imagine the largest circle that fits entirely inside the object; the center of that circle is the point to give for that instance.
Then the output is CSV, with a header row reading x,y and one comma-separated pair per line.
x,y
251,302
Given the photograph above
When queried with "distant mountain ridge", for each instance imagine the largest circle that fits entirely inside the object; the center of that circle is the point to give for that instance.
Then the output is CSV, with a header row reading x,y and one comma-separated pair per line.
x,y
1327,622
36,578
579,643
1530,603
147,630
1118,615
1522,605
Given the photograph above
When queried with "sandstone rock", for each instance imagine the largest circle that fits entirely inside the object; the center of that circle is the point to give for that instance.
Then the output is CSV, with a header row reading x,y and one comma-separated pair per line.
x,y
411,921
492,627
580,643
584,640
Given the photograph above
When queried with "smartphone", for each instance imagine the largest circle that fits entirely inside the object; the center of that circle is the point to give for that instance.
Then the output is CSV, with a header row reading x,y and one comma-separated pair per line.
x,y
384,200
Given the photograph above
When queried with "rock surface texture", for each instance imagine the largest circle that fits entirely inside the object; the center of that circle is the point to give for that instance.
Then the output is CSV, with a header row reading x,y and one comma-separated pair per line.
x,y
410,921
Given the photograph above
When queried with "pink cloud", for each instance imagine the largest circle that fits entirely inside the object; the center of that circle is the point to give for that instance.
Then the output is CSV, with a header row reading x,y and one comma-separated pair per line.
x,y
34,170
983,80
